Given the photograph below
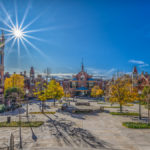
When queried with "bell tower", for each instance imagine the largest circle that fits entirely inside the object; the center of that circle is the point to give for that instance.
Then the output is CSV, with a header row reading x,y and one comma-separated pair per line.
x,y
2,45
134,77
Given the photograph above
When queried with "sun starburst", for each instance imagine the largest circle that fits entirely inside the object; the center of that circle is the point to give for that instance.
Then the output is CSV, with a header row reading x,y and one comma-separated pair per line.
x,y
18,33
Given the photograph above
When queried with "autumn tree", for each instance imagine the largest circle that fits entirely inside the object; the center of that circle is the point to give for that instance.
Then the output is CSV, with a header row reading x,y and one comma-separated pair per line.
x,y
14,80
54,90
14,87
96,92
40,93
146,96
121,91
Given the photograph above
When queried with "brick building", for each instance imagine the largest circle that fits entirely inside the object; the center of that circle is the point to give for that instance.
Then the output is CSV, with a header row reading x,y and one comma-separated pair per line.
x,y
81,83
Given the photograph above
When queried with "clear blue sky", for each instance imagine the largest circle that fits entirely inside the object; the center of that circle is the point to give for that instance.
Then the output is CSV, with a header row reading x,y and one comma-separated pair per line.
x,y
109,35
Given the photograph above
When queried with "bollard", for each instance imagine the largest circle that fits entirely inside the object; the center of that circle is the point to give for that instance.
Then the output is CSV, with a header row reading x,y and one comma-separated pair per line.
x,y
8,119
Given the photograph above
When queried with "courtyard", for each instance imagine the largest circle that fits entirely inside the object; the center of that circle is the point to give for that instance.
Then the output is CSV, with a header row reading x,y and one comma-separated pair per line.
x,y
64,130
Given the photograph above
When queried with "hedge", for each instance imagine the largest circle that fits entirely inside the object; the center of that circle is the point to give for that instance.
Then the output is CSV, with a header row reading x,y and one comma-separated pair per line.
x,y
136,125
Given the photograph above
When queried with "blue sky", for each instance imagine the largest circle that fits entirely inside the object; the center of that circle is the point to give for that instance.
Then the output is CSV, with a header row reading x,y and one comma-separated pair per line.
x,y
109,35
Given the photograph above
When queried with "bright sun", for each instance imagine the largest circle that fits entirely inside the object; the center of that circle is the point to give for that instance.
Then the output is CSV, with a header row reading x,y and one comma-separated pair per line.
x,y
17,33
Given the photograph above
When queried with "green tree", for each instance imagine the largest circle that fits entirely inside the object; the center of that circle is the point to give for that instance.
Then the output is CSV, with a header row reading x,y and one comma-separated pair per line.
x,y
12,94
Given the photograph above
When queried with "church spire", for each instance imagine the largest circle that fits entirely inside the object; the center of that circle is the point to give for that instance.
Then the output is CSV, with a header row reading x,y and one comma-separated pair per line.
x,y
82,67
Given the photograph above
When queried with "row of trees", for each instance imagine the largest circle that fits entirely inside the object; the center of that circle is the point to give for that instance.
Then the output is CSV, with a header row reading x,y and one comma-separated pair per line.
x,y
14,87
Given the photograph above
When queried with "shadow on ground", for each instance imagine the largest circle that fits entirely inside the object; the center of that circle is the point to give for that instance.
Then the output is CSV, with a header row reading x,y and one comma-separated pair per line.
x,y
14,112
65,132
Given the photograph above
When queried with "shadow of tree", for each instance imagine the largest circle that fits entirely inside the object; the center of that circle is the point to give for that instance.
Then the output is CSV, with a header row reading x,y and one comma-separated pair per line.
x,y
14,112
34,137
66,132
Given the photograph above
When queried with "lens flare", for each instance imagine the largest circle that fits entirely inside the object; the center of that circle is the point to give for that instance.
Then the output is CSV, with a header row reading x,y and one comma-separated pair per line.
x,y
17,33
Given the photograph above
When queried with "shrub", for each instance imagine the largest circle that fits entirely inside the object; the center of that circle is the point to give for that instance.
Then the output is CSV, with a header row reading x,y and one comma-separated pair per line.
x,y
43,112
136,125
101,103
128,105
2,108
111,107
23,124
124,113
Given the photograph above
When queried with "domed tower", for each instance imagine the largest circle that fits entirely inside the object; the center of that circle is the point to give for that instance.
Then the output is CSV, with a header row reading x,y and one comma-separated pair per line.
x,y
2,45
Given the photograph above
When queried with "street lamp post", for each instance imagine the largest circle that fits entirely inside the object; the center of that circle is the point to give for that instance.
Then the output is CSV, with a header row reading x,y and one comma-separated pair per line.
x,y
27,92
139,92
20,142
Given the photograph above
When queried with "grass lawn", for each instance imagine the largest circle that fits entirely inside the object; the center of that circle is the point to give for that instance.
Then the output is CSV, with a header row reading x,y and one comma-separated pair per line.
x,y
128,104
124,113
46,112
136,125
111,107
23,124
101,103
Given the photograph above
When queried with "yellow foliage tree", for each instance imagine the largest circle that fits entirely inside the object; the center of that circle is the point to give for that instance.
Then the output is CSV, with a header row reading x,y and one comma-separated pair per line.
x,y
54,90
121,91
14,80
51,91
40,93
96,91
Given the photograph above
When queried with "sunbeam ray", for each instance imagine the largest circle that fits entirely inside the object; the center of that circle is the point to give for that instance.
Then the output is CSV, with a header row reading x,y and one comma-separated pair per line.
x,y
6,29
28,52
16,14
31,22
5,11
17,31
38,30
33,37
32,45
18,43
4,22
25,15
10,49
8,40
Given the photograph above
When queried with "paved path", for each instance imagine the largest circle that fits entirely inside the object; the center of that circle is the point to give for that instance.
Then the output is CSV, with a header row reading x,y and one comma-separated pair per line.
x,y
78,132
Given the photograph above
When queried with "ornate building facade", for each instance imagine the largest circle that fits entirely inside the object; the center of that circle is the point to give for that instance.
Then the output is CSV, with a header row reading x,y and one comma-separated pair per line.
x,y
140,80
81,84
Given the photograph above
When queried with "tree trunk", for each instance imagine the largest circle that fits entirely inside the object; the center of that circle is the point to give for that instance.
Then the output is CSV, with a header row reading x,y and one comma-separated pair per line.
x,y
42,106
148,112
121,108
140,110
54,102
